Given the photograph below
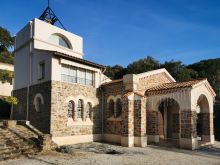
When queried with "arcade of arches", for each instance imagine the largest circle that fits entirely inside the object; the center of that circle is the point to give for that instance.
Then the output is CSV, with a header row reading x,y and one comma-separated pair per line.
x,y
180,114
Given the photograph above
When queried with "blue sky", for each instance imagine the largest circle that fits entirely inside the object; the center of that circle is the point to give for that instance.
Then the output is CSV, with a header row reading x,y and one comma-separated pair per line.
x,y
121,31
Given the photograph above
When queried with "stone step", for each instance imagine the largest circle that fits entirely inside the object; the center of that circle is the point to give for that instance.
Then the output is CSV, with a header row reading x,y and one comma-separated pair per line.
x,y
16,141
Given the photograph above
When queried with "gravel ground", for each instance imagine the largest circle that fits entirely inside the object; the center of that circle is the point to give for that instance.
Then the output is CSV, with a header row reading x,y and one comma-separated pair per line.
x,y
97,153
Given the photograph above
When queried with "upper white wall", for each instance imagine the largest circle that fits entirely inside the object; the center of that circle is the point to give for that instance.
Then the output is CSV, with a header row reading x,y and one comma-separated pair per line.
x,y
5,89
42,32
8,67
21,65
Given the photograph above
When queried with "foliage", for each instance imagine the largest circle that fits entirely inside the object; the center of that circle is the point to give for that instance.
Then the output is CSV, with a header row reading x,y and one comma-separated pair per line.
x,y
6,40
115,72
179,70
6,43
6,76
6,57
11,100
209,69
143,65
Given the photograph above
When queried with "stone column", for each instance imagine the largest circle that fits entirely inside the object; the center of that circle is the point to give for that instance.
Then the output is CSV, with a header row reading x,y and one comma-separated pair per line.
x,y
152,126
188,135
207,128
127,129
140,138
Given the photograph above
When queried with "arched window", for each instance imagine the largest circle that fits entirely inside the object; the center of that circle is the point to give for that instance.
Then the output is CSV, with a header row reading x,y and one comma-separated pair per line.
x,y
70,110
118,108
80,108
111,108
89,112
38,102
59,40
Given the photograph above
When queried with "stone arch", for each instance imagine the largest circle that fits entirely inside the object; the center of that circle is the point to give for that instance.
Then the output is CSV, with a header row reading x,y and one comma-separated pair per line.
x,y
110,98
89,111
80,109
203,119
71,111
168,119
38,101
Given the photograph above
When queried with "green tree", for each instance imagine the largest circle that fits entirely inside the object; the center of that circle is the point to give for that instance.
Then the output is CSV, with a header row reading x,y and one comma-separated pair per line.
x,y
143,65
179,70
6,40
6,43
115,72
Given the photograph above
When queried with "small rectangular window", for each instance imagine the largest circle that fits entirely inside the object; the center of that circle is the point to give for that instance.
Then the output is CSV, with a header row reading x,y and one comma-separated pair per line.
x,y
41,70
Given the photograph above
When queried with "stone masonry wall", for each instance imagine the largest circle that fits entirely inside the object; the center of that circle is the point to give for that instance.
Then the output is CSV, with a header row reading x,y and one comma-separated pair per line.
x,y
62,93
188,124
20,110
152,81
41,119
206,128
176,123
112,126
139,118
127,118
152,123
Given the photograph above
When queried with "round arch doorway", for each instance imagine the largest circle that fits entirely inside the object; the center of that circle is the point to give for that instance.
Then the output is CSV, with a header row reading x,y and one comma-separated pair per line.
x,y
168,119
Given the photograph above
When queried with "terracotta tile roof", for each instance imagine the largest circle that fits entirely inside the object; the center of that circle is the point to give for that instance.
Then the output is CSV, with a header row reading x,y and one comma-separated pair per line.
x,y
173,85
112,82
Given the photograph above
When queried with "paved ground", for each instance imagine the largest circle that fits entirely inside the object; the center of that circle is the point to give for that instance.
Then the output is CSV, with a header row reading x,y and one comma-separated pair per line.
x,y
96,153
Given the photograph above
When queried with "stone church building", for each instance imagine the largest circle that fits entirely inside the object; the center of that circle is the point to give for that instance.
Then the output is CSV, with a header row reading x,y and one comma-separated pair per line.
x,y
64,95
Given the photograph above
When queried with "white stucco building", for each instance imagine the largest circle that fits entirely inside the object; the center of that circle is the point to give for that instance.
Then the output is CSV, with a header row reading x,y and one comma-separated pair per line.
x,y
6,87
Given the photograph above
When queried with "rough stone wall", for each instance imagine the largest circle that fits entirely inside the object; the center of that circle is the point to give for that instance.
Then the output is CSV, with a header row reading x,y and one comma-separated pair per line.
x,y
188,124
62,93
112,126
152,123
41,119
161,124
176,123
20,110
139,118
206,125
127,118
152,81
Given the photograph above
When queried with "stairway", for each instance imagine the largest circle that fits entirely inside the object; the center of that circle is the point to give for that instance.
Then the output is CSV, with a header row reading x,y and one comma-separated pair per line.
x,y
17,141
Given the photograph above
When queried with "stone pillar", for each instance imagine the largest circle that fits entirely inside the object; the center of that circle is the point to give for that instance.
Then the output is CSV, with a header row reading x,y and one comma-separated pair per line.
x,y
208,128
140,138
188,135
152,126
127,129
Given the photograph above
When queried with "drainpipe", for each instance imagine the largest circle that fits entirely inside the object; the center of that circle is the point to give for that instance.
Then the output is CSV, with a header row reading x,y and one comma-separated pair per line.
x,y
30,70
